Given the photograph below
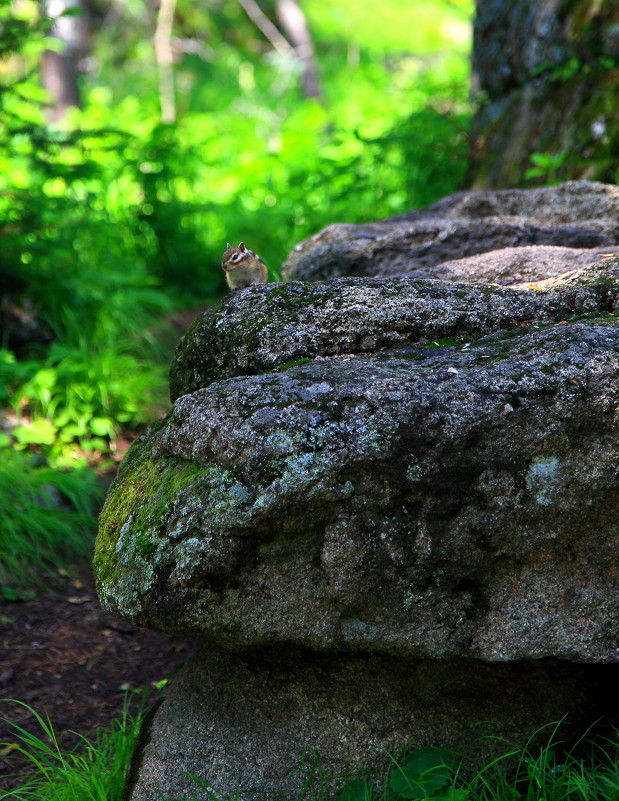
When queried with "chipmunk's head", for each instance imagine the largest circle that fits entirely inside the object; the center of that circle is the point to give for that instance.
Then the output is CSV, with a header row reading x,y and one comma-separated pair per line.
x,y
234,257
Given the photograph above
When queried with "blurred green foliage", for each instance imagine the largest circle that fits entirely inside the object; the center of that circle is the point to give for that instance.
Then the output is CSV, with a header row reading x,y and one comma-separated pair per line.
x,y
110,219
47,520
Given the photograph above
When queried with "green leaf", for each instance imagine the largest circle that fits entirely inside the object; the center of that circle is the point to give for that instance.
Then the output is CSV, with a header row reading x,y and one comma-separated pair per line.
x,y
423,773
33,92
102,426
355,790
40,432
452,794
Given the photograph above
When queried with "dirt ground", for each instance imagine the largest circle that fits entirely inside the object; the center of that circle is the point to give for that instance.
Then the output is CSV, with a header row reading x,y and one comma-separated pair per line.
x,y
61,654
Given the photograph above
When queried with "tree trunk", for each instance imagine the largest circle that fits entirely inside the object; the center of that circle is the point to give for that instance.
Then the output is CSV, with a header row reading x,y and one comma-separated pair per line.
x,y
294,24
59,69
165,60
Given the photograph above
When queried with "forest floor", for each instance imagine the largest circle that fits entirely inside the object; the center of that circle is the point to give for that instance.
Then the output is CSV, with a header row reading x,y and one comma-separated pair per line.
x,y
64,656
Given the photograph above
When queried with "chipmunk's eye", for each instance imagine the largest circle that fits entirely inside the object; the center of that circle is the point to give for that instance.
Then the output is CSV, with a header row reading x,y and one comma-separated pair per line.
x,y
235,257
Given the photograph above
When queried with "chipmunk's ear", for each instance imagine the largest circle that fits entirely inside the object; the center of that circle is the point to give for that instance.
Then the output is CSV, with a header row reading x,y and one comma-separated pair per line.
x,y
228,246
242,246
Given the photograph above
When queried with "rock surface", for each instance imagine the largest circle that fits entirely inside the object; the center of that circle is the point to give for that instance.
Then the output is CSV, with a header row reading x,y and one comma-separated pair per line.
x,y
571,217
266,719
388,504
407,501
262,330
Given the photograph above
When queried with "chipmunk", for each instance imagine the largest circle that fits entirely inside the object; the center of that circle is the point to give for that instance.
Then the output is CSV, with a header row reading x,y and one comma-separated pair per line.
x,y
243,267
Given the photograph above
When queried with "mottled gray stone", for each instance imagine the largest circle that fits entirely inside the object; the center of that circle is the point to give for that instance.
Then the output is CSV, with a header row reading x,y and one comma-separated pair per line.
x,y
274,325
389,505
513,266
575,215
513,41
421,501
248,720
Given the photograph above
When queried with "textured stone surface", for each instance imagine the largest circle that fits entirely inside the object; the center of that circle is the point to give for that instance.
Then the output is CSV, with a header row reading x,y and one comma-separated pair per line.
x,y
520,265
388,504
275,326
246,720
549,71
515,41
417,499
576,215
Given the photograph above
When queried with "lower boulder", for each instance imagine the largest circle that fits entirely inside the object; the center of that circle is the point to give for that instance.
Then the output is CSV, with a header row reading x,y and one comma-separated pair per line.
x,y
273,720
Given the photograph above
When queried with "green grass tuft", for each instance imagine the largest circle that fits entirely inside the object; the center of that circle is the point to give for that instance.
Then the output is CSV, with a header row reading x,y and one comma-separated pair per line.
x,y
555,770
48,518
94,771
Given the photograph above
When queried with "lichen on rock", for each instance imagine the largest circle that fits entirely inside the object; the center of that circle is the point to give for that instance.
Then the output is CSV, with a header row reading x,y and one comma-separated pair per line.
x,y
345,484
295,321
382,474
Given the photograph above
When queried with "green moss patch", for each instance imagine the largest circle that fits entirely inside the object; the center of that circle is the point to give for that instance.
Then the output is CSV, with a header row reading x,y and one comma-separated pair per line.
x,y
137,503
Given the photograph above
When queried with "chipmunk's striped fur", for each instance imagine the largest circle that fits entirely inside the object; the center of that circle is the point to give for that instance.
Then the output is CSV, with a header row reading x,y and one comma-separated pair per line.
x,y
243,267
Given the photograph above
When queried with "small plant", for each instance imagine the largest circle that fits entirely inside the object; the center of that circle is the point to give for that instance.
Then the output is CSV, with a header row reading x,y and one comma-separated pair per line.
x,y
545,166
426,773
94,771
560,71
586,771
78,398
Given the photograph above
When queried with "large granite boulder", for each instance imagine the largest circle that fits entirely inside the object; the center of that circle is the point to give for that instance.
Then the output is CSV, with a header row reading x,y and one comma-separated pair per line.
x,y
388,505
567,220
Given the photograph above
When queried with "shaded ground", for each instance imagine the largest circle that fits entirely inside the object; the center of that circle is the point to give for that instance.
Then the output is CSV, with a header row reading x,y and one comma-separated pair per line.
x,y
63,655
